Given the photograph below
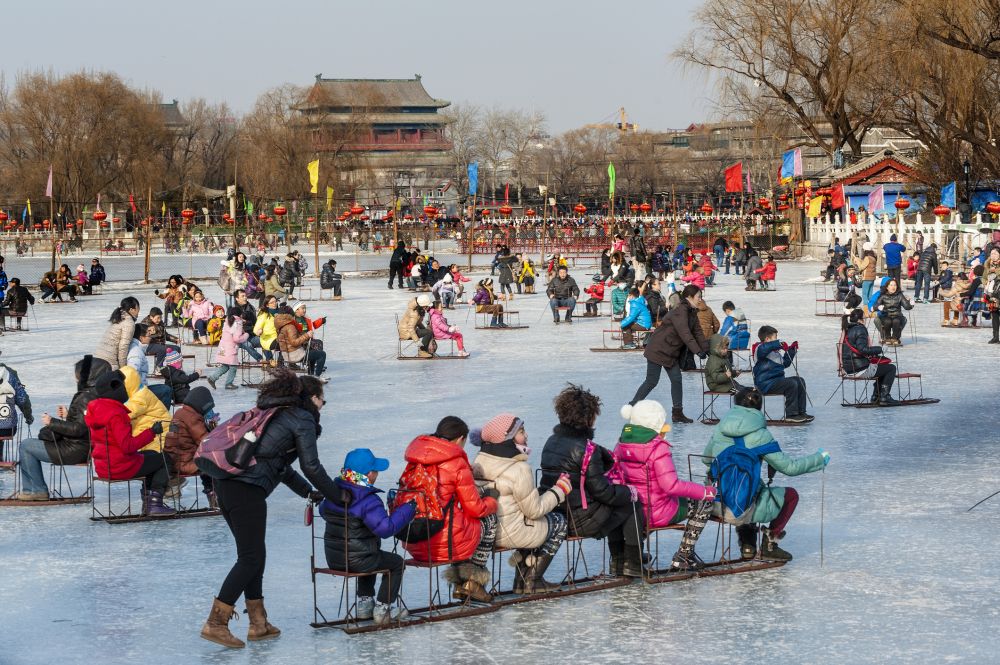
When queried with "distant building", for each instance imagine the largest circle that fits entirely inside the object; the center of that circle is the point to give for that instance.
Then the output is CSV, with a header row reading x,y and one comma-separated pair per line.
x,y
172,117
375,133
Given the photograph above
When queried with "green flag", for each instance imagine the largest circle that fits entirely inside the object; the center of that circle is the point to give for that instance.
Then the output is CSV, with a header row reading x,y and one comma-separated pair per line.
x,y
611,180
248,206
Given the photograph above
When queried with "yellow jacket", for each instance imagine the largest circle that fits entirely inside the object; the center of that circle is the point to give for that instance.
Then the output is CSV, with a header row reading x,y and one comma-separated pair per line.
x,y
526,271
214,330
145,408
264,328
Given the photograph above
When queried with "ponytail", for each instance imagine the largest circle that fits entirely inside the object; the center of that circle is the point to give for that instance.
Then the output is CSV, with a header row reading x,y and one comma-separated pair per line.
x,y
127,303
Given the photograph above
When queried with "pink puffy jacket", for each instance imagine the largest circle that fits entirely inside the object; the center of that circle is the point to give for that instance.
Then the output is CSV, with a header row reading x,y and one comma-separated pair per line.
x,y
232,337
200,311
649,468
439,325
695,278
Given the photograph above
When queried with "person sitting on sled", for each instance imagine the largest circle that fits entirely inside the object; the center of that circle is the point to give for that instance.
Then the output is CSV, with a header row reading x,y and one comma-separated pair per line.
x,y
734,453
772,356
860,360
734,326
356,523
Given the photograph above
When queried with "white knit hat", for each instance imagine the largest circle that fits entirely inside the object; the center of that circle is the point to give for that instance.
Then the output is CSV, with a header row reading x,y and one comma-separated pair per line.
x,y
867,246
424,300
648,413
297,304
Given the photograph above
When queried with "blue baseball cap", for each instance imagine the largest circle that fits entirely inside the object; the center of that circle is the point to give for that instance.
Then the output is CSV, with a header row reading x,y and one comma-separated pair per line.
x,y
363,461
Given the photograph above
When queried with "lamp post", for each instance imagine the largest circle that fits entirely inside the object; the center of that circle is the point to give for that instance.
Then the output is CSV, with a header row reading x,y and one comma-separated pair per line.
x,y
966,169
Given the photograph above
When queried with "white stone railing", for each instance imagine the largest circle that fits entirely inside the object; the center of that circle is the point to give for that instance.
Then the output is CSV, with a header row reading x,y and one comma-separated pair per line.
x,y
827,227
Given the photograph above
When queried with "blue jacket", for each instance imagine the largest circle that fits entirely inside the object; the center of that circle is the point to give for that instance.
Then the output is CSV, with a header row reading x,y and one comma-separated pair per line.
x,y
638,312
946,278
770,363
353,543
736,331
893,254
876,292
3,283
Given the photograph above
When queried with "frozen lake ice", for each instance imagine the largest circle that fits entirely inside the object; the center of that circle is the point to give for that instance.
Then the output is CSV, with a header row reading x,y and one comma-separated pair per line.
x,y
908,575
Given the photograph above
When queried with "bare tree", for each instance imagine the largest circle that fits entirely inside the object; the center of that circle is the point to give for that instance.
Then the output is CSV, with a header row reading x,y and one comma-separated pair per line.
x,y
464,131
805,55
524,130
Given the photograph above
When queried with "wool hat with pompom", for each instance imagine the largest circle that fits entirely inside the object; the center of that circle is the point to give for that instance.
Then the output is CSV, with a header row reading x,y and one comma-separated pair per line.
x,y
647,413
173,356
497,430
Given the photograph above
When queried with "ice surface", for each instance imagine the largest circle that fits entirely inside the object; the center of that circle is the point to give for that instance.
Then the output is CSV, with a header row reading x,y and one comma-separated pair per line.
x,y
909,576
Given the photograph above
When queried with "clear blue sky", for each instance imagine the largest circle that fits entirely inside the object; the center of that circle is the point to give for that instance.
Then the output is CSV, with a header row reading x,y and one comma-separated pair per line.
x,y
577,61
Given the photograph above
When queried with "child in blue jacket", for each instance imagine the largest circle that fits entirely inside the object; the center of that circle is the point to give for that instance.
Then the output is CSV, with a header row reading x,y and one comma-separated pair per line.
x,y
771,357
638,319
356,523
734,326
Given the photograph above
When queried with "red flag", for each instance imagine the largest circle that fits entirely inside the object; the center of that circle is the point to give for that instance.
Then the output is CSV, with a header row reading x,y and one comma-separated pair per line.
x,y
131,202
837,199
734,178
506,193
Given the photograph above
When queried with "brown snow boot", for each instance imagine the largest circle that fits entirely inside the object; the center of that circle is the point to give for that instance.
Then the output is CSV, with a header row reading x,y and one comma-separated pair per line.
x,y
536,582
216,628
677,415
260,627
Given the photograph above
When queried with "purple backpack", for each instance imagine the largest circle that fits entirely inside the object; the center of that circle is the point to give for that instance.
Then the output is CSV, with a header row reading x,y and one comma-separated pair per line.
x,y
228,450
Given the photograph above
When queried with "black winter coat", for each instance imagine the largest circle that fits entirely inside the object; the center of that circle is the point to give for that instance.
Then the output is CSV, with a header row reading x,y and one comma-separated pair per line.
x,y
506,268
605,266
289,271
179,382
17,300
857,360
290,435
399,256
563,288
328,277
637,248
678,330
563,452
656,304
68,441
928,261
356,523
248,314
894,303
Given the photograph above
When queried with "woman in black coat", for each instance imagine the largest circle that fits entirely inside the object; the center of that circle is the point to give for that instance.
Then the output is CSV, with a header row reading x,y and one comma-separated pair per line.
x,y
598,509
858,358
290,435
15,304
678,332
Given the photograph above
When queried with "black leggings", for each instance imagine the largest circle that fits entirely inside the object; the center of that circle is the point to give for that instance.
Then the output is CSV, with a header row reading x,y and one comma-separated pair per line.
x,y
653,378
995,322
244,507
630,526
893,326
885,375
155,471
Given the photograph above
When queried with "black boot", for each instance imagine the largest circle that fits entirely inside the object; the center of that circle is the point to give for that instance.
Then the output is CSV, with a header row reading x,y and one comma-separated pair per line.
x,y
519,560
885,397
535,576
633,561
770,549
747,535
677,415
617,550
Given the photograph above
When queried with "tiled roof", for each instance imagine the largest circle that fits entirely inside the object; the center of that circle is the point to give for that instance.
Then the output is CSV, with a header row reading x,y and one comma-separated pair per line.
x,y
371,93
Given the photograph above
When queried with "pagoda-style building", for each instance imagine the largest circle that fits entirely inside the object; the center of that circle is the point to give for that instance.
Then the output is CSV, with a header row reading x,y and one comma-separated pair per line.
x,y
383,127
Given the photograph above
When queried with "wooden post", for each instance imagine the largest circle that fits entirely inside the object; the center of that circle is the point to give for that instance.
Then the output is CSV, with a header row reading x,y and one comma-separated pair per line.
x,y
149,231
316,242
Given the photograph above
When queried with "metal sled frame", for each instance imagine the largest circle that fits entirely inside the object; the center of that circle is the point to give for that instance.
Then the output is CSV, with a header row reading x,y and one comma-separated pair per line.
x,y
60,488
405,346
862,397
826,305
615,334
9,446
725,563
513,315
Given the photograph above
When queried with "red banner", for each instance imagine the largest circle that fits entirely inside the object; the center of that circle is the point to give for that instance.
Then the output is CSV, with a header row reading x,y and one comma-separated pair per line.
x,y
734,178
837,198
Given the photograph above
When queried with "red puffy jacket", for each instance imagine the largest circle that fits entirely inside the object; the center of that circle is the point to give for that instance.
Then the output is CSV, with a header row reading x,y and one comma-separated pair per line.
x,y
769,271
454,480
114,450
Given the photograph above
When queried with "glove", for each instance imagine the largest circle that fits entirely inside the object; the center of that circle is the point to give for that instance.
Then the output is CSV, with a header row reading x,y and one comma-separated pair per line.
x,y
491,492
316,496
157,428
31,419
826,456
156,292
784,346
451,329
710,492
633,492
702,355
563,484
794,345
881,308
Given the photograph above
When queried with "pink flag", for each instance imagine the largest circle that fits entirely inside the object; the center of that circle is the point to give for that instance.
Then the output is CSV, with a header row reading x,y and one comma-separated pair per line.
x,y
48,187
749,186
797,169
876,200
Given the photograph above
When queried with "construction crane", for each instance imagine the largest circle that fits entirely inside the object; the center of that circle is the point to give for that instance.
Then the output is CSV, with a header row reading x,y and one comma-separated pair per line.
x,y
623,125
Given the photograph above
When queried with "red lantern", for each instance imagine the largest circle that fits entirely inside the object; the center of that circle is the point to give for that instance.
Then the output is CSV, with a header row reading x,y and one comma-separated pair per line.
x,y
506,209
799,191
342,217
280,211
363,218
269,220
38,227
634,207
185,222
225,216
408,217
104,225
645,207
144,222
579,208
389,216
706,208
430,211
46,223
310,219
485,212
3,216
993,207
783,198
116,220
79,222
187,213
901,204
942,210
783,207
262,217
100,216
357,210
530,212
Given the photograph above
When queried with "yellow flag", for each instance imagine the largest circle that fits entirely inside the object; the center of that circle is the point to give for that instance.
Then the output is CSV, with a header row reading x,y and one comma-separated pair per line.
x,y
329,198
815,206
313,168
29,207
163,209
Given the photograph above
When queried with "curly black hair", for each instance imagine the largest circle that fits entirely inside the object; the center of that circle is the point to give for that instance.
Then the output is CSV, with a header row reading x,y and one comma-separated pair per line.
x,y
577,407
282,382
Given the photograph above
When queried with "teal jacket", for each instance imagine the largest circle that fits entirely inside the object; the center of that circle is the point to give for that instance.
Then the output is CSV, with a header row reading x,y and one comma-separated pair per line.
x,y
618,298
752,426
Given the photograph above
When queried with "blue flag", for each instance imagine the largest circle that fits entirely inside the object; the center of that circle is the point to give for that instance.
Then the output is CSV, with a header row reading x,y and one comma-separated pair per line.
x,y
948,195
788,163
473,178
